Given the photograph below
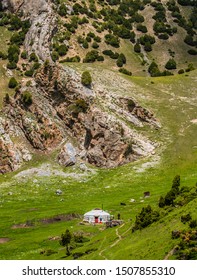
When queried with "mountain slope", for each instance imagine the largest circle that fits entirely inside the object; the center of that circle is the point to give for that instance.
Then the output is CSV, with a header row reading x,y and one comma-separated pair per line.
x,y
53,107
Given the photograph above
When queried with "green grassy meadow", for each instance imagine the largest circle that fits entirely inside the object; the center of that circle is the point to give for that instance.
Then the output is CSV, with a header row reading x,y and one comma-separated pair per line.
x,y
33,200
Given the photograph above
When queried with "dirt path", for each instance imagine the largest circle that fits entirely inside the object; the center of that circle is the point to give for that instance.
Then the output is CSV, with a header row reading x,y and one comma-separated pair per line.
x,y
169,254
101,252
4,240
120,237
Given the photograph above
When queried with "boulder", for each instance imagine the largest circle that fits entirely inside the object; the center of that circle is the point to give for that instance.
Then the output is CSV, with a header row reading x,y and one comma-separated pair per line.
x,y
67,156
58,192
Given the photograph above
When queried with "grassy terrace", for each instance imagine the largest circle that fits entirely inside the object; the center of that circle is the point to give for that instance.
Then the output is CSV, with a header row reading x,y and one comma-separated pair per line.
x,y
173,99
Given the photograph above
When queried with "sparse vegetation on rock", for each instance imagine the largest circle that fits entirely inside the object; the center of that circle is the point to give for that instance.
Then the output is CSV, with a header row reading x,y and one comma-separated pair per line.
x,y
86,79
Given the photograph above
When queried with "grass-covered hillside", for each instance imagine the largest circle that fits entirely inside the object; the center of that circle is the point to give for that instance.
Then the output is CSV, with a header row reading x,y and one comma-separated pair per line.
x,y
163,32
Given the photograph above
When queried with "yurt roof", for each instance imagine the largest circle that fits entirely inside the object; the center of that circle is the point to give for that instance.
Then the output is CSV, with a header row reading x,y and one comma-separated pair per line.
x,y
97,212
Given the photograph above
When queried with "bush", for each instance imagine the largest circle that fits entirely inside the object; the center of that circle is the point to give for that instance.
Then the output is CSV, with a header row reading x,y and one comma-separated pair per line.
x,y
131,105
170,197
142,28
12,65
186,218
86,79
100,58
192,52
189,40
65,240
189,68
91,56
24,55
85,44
193,224
128,150
161,202
97,39
80,106
12,83
95,45
88,39
181,71
132,37
55,56
171,64
62,50
27,98
112,40
29,73
137,48
148,47
62,11
13,53
176,183
36,65
111,54
163,36
107,52
114,55
121,60
146,217
33,57
7,98
147,38
153,69
176,234
75,58
125,71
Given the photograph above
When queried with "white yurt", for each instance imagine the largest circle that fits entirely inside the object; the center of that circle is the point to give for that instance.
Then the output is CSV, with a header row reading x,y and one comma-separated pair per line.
x,y
97,216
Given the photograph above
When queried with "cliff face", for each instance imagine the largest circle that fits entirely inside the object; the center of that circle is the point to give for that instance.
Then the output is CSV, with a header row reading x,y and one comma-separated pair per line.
x,y
43,22
62,110
65,115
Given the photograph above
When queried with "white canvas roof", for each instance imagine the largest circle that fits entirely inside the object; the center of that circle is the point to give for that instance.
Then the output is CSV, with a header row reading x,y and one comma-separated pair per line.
x,y
97,212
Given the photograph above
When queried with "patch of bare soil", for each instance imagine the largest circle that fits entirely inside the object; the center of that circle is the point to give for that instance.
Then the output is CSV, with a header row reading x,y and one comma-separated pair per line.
x,y
55,219
21,226
59,218
194,121
4,240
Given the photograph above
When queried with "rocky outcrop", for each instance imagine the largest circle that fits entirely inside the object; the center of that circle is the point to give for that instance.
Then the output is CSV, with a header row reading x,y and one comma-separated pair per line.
x,y
13,5
43,23
63,109
11,155
35,120
67,156
129,109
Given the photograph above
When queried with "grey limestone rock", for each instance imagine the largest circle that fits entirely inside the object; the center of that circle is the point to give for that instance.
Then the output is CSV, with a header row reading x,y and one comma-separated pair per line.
x,y
67,156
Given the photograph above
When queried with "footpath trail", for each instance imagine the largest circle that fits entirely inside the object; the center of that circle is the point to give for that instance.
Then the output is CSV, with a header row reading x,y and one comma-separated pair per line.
x,y
120,237
169,254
